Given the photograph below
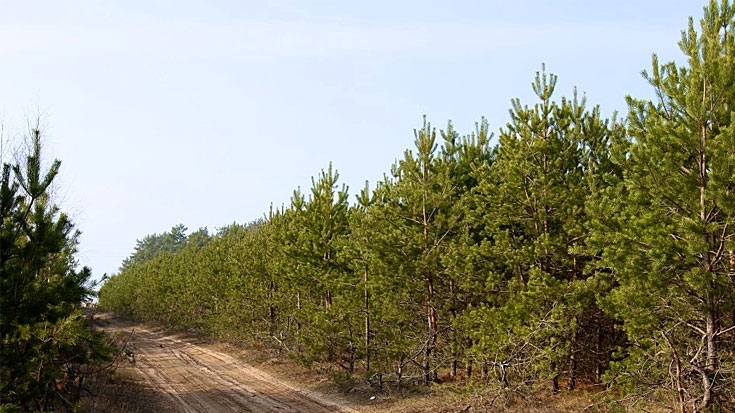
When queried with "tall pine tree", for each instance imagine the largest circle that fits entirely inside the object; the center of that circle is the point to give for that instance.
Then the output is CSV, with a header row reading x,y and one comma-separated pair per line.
x,y
670,241
533,229
42,328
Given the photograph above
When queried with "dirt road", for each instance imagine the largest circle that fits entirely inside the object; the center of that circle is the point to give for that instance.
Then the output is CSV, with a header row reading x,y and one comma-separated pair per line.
x,y
196,378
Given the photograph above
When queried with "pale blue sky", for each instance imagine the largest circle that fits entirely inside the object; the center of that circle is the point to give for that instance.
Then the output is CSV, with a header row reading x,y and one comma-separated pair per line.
x,y
206,112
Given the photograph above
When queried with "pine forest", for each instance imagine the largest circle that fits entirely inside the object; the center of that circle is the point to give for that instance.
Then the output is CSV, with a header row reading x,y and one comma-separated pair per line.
x,y
567,249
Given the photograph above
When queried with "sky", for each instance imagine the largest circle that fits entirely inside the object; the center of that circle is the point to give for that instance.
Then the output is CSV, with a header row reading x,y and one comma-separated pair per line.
x,y
208,112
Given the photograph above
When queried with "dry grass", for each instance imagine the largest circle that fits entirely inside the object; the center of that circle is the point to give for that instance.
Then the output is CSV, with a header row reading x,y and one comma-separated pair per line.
x,y
449,397
122,390
117,388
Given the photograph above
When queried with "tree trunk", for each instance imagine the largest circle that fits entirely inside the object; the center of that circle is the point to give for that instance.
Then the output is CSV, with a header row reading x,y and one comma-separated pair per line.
x,y
555,379
328,299
598,352
504,374
680,392
367,321
271,309
708,373
351,361
298,320
427,365
455,339
572,384
431,328
399,373
469,368
710,369
431,315
731,275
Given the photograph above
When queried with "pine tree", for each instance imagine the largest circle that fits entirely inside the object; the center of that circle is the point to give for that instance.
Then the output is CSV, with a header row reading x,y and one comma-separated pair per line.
x,y
42,328
671,237
532,237
324,307
357,251
154,244
414,228
465,156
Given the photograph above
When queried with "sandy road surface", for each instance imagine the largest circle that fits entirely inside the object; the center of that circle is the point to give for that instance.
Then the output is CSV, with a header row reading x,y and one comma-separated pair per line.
x,y
198,379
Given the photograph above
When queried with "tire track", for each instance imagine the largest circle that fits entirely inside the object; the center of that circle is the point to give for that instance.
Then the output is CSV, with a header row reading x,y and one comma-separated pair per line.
x,y
196,379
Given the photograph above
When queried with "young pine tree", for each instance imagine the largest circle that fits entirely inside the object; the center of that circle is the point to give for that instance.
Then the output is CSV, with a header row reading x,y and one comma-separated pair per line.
x,y
669,242
42,328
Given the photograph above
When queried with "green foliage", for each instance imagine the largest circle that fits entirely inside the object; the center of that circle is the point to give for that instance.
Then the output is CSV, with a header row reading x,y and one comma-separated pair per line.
x,y
575,247
44,334
669,242
527,216
170,242
415,228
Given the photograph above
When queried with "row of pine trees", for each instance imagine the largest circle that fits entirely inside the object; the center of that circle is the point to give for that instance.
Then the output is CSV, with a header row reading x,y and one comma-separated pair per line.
x,y
569,248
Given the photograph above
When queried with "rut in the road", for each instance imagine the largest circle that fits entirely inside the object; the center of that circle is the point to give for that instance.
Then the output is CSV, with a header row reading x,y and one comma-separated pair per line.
x,y
197,379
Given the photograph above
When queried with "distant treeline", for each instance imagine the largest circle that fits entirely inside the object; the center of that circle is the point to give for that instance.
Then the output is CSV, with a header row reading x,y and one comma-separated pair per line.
x,y
571,249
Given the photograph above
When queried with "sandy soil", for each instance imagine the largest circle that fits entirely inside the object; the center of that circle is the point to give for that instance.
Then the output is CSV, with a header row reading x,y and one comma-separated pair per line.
x,y
194,377
184,374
